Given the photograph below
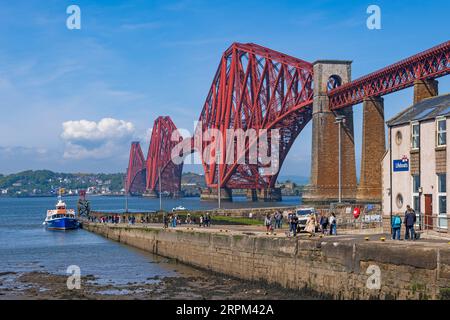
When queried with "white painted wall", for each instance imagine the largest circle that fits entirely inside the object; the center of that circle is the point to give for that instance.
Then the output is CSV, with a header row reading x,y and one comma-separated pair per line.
x,y
428,178
401,181
386,184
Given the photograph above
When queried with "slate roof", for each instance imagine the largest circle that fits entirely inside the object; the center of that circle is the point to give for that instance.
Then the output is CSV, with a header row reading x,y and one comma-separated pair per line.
x,y
430,108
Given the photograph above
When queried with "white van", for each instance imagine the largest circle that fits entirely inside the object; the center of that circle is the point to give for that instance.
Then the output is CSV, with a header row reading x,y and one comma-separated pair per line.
x,y
303,214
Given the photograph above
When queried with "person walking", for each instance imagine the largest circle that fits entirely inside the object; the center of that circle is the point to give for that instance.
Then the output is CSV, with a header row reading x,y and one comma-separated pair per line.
x,y
333,224
289,220
410,220
311,224
396,226
280,222
207,220
294,224
268,222
174,221
188,219
278,219
323,223
165,221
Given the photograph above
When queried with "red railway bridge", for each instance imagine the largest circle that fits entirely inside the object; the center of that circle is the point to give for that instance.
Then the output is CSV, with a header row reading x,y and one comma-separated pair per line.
x,y
262,89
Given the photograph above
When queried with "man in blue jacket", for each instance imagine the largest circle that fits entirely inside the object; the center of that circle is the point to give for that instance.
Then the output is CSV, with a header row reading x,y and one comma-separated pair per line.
x,y
396,226
410,220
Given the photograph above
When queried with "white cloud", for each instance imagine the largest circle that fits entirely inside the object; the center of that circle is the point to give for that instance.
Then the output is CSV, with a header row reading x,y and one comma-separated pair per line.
x,y
98,140
105,129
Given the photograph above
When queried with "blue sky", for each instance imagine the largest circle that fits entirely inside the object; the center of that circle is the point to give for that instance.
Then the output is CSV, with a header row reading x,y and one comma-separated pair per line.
x,y
135,60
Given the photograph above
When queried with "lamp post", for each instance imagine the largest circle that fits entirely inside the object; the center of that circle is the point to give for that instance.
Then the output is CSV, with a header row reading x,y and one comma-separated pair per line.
x,y
160,195
126,196
218,179
340,120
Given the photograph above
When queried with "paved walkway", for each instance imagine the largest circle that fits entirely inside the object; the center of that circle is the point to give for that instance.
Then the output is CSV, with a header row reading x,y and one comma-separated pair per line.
x,y
352,236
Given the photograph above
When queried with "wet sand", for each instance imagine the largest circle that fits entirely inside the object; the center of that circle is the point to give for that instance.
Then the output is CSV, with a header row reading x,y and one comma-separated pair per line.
x,y
46,286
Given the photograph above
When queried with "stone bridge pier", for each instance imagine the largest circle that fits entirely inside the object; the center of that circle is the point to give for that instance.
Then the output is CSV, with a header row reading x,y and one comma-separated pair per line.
x,y
372,151
324,184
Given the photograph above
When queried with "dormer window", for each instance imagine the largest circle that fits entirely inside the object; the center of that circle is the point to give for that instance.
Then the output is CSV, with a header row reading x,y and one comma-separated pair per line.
x,y
415,136
441,132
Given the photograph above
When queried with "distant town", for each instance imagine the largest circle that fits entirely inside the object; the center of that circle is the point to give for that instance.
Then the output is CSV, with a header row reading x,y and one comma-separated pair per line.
x,y
44,183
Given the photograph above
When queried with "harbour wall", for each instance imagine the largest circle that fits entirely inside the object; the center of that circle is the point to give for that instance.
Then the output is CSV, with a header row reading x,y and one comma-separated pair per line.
x,y
338,270
256,213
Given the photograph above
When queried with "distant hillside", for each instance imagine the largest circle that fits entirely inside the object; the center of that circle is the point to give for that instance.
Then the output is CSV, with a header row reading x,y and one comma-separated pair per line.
x,y
46,182
299,180
190,178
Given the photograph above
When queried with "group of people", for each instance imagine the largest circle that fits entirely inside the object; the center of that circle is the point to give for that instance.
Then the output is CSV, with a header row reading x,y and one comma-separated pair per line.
x,y
173,220
204,220
273,222
409,221
106,219
327,223
116,219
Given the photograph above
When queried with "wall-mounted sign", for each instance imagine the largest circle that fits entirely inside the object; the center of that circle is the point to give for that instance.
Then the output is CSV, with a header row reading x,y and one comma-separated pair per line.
x,y
401,165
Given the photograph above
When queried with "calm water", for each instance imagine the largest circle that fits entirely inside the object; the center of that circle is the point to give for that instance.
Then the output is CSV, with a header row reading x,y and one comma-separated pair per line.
x,y
138,203
27,246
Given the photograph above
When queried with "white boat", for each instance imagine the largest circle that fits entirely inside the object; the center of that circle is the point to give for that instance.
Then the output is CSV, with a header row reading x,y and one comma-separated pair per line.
x,y
61,218
179,208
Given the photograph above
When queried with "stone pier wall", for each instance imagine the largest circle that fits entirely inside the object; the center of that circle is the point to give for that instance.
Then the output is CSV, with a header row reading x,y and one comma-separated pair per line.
x,y
333,269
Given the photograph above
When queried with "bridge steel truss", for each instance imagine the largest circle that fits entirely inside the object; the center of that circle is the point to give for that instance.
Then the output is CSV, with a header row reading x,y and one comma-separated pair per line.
x,y
159,163
135,179
430,64
254,88
262,89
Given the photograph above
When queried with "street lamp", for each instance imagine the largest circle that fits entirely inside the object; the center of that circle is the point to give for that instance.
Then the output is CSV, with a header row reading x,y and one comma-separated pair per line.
x,y
160,195
218,178
340,120
126,195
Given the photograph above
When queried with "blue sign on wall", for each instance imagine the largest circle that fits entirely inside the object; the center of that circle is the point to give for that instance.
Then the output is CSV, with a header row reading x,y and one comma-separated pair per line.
x,y
401,165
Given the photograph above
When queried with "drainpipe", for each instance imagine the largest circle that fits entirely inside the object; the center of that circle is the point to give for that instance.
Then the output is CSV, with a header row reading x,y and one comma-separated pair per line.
x,y
420,180
390,175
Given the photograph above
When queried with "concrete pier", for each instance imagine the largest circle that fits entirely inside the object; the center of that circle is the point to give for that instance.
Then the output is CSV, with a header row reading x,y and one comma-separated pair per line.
x,y
269,195
252,195
210,194
373,149
334,267
324,186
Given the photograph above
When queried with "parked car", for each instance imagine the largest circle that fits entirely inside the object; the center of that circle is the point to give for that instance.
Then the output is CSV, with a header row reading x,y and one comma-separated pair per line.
x,y
303,214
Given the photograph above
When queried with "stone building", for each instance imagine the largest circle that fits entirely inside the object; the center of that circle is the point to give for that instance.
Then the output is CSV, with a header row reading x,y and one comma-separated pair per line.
x,y
414,167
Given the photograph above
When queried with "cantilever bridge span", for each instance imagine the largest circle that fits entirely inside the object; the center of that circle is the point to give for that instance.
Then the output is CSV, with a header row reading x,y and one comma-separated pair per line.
x,y
259,88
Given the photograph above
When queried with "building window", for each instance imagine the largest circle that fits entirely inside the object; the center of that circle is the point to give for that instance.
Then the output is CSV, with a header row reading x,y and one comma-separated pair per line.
x,y
441,132
442,200
415,192
416,196
399,201
398,137
415,135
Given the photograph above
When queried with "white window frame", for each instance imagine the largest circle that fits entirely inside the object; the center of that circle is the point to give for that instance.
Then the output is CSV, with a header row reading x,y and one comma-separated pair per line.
x,y
438,120
439,195
416,123
415,194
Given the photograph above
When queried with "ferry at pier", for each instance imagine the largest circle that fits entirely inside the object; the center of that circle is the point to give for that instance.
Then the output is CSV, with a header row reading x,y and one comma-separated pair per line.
x,y
61,218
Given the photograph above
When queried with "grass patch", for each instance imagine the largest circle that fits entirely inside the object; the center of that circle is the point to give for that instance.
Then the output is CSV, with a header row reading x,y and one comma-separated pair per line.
x,y
236,221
